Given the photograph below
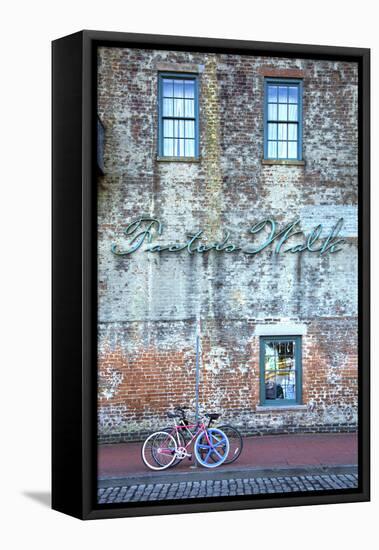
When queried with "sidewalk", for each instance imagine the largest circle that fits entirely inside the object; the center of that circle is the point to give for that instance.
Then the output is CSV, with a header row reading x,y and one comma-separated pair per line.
x,y
283,452
221,488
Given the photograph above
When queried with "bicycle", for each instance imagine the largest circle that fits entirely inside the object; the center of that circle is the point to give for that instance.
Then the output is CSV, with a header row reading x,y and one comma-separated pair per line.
x,y
184,433
233,435
162,448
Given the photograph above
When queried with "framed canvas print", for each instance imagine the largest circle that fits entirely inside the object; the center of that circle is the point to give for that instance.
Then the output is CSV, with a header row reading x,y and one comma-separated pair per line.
x,y
210,274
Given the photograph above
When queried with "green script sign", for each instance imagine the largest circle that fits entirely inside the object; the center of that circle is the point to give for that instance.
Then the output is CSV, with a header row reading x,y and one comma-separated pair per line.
x,y
143,231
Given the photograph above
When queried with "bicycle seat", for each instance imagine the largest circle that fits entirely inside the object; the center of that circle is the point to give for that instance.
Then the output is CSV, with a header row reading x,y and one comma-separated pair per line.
x,y
172,414
213,416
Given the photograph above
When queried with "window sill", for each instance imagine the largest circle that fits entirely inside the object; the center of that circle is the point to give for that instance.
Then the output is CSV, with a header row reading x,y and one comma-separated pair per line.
x,y
274,162
178,159
277,408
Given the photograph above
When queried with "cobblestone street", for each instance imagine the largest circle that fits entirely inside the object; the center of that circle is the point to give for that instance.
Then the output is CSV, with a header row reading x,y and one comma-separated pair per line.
x,y
225,487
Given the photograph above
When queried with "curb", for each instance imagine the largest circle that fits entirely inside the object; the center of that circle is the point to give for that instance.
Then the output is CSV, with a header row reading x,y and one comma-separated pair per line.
x,y
223,473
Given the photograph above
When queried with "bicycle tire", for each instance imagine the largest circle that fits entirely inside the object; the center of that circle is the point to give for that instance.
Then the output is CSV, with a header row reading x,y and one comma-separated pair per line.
x,y
155,441
235,443
213,454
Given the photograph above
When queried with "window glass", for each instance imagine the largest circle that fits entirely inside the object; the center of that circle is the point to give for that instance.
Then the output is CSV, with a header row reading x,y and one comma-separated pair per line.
x,y
272,131
272,111
272,149
273,94
292,149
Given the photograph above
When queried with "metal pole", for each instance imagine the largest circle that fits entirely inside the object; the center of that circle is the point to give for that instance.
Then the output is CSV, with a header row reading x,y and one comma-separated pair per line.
x,y
197,378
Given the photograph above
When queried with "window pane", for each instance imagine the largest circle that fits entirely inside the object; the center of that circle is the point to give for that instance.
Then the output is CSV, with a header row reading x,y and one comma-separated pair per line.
x,y
168,147
168,87
179,128
176,150
178,147
178,107
286,375
178,88
189,129
272,94
189,89
290,386
189,108
292,112
270,363
270,378
292,149
271,389
270,366
287,381
292,94
282,131
190,147
272,149
283,94
283,112
282,149
168,128
167,107
292,131
272,112
272,131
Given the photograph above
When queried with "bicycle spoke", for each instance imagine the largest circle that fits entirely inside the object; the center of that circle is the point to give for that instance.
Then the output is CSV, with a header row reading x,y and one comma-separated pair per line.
x,y
166,452
208,455
218,454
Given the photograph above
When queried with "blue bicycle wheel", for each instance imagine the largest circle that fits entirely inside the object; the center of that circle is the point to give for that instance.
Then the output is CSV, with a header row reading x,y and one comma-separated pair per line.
x,y
211,448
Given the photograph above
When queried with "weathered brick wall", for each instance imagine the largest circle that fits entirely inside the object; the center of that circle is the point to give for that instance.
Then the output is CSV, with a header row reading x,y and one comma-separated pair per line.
x,y
148,303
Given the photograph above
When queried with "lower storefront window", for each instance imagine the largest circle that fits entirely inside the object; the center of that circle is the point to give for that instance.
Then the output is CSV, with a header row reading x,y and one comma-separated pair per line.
x,y
280,369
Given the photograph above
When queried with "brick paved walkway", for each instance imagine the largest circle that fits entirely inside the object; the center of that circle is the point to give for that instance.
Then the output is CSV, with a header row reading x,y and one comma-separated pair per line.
x,y
225,487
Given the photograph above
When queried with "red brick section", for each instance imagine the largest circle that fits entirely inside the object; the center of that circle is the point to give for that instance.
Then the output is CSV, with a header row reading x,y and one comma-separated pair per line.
x,y
151,381
280,73
124,459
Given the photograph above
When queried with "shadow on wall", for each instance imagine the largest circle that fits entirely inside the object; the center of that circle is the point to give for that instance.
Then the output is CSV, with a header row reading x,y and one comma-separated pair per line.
x,y
41,497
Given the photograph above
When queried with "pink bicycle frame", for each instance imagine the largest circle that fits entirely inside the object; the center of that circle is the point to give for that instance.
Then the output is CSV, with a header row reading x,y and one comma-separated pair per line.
x,y
200,427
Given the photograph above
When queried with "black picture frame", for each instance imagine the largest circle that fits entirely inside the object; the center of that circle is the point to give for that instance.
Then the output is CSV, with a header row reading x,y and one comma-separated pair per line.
x,y
74,331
